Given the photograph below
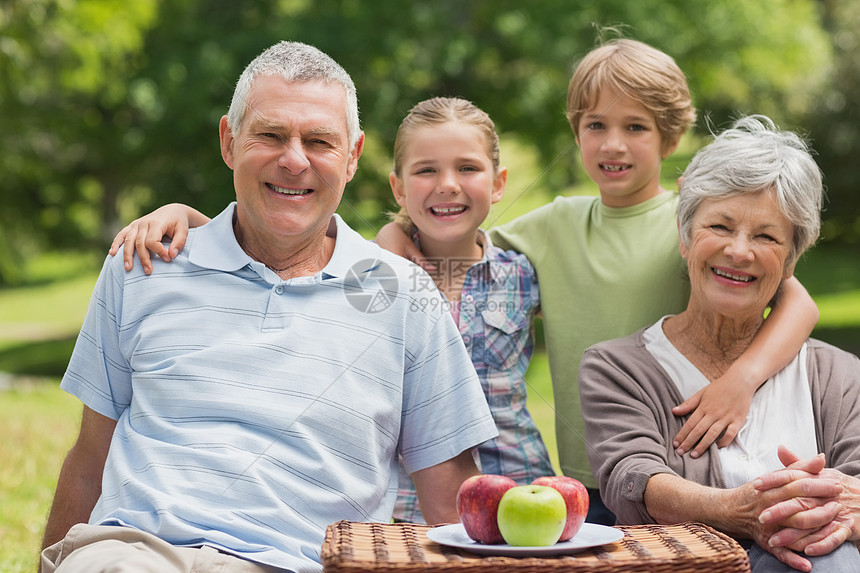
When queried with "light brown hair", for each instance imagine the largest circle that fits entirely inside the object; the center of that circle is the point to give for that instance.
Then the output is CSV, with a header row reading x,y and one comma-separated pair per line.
x,y
439,111
644,74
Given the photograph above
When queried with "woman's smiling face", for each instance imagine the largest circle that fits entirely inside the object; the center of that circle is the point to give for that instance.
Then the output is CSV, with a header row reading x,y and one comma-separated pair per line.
x,y
737,253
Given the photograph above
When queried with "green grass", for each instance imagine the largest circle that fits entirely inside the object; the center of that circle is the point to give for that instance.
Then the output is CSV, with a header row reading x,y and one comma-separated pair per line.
x,y
45,310
541,404
38,423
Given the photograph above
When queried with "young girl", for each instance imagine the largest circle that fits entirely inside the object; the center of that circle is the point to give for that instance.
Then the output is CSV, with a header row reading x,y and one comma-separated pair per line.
x,y
446,176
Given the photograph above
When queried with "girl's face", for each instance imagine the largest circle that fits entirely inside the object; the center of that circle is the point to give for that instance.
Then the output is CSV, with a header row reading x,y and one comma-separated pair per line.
x,y
448,182
621,149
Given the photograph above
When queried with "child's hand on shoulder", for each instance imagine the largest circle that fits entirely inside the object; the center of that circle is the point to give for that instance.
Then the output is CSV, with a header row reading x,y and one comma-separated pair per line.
x,y
144,236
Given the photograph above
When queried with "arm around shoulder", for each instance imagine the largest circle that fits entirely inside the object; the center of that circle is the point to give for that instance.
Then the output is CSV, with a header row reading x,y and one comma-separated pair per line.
x,y
722,407
79,485
780,338
144,235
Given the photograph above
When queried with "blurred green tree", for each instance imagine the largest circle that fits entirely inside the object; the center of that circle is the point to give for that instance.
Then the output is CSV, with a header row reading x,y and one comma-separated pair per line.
x,y
68,132
111,108
834,125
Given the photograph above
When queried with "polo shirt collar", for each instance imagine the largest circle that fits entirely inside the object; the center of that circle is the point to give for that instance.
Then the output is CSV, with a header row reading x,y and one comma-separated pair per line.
x,y
351,251
214,246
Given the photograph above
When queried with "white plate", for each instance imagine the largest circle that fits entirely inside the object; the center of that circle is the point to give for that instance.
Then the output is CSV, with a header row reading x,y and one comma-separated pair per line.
x,y
590,535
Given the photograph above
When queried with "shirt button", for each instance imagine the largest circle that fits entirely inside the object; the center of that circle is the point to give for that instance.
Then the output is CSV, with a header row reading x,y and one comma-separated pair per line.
x,y
279,289
630,486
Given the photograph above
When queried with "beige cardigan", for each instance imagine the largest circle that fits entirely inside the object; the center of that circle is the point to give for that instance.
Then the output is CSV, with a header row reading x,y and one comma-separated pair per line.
x,y
627,399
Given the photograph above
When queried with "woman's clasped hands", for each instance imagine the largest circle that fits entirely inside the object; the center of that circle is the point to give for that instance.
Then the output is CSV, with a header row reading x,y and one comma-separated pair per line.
x,y
805,508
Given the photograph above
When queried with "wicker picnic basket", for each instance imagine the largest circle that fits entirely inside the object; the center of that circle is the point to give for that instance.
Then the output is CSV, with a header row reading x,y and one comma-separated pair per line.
x,y
352,547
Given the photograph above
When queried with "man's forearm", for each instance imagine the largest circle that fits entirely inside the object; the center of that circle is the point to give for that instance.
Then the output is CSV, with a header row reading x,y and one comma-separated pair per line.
x,y
80,482
77,492
437,487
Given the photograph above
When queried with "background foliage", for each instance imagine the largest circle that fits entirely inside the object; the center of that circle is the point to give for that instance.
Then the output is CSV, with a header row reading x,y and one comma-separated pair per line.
x,y
110,108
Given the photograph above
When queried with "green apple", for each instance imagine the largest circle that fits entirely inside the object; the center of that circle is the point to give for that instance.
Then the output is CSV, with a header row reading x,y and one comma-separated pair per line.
x,y
532,515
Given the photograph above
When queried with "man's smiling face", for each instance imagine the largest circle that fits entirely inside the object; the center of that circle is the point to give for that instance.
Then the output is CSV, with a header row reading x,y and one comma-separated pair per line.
x,y
291,160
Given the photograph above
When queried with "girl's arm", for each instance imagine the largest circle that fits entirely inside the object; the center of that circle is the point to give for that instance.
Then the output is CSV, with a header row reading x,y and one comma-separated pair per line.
x,y
720,409
145,234
392,238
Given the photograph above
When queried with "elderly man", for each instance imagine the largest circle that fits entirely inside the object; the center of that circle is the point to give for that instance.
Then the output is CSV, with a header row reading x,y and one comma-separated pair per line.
x,y
265,384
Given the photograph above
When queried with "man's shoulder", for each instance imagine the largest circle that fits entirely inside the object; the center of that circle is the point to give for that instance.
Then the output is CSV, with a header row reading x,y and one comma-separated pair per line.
x,y
366,267
363,255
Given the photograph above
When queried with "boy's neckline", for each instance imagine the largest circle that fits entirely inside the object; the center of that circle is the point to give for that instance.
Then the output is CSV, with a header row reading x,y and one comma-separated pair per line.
x,y
648,204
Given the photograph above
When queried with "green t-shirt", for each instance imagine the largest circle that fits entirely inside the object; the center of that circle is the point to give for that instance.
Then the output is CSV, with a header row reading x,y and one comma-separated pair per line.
x,y
603,273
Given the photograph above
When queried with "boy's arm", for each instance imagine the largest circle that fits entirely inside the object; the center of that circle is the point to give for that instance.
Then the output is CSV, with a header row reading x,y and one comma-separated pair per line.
x,y
145,234
720,409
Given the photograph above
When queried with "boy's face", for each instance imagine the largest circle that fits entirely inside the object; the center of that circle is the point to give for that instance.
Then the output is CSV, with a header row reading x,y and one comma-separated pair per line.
x,y
621,149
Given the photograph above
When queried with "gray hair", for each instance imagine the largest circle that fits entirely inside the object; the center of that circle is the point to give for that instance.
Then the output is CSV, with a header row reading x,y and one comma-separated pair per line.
x,y
752,156
295,62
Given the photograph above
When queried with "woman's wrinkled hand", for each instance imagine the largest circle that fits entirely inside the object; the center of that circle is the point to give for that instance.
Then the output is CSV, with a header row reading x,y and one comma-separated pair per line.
x,y
813,508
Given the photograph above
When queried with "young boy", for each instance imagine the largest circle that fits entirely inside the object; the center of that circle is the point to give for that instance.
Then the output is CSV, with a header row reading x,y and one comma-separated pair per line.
x,y
610,265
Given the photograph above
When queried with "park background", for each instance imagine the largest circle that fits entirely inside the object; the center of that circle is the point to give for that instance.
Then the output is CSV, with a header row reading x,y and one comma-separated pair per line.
x,y
109,108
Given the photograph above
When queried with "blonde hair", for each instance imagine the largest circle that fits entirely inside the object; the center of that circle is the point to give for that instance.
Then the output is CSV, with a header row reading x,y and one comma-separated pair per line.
x,y
439,111
643,73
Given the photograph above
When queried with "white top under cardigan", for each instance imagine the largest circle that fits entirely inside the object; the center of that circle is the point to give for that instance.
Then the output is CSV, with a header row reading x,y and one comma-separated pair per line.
x,y
780,412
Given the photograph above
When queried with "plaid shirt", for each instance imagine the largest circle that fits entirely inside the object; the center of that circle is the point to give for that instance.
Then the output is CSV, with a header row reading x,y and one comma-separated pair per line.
x,y
497,304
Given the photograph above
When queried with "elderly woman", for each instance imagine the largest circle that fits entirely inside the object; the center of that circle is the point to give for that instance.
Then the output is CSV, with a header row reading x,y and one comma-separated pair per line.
x,y
749,207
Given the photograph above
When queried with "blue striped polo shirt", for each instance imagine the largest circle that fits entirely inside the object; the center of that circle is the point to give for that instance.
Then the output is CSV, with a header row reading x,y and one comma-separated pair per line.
x,y
253,411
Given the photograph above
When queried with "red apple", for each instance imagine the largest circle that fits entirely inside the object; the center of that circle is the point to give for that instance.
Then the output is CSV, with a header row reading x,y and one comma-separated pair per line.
x,y
575,498
478,504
